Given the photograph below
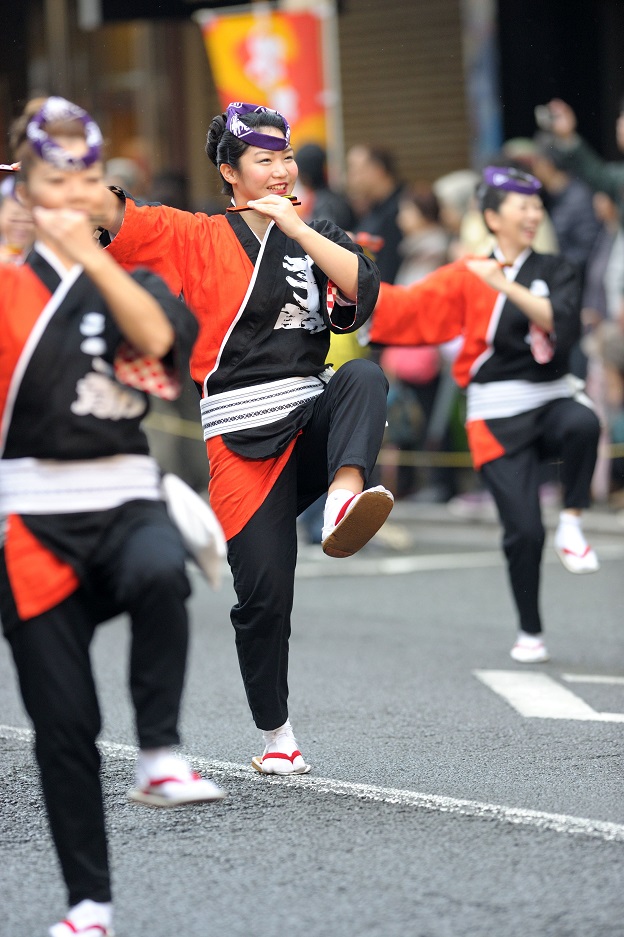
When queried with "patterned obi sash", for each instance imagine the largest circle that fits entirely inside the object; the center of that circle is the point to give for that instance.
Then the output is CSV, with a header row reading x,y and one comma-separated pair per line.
x,y
259,405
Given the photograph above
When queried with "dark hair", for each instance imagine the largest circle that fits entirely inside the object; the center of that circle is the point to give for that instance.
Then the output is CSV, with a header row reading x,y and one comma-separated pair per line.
x,y
223,147
312,160
490,198
384,158
425,200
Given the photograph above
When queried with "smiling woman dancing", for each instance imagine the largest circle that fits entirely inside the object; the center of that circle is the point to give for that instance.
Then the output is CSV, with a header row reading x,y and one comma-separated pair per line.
x,y
85,533
518,313
281,429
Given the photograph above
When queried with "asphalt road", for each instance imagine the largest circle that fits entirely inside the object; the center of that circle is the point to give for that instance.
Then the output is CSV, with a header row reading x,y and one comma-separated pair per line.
x,y
448,798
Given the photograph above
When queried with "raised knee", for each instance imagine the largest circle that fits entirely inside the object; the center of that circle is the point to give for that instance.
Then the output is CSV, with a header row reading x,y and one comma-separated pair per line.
x,y
364,370
590,427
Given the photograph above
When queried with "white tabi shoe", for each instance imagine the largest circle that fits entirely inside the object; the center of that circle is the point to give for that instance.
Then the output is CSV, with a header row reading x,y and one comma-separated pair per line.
x,y
281,754
87,919
173,784
529,649
356,520
572,548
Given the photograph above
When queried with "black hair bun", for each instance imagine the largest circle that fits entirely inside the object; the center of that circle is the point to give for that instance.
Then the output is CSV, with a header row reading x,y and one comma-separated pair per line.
x,y
215,132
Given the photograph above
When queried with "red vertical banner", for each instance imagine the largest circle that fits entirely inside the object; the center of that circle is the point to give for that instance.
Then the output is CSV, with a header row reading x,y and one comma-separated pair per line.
x,y
274,58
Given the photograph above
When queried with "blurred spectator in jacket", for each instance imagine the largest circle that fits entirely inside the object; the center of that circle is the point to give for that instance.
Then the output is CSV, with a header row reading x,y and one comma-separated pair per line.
x,y
559,120
424,246
455,193
597,303
569,203
318,201
374,191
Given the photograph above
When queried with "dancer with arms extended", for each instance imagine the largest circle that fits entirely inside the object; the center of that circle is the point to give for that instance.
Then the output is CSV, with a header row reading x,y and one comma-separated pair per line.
x,y
280,429
85,534
519,315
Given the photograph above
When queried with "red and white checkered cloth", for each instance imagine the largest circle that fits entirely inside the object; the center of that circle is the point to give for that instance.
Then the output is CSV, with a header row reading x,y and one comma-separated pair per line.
x,y
146,373
542,346
331,299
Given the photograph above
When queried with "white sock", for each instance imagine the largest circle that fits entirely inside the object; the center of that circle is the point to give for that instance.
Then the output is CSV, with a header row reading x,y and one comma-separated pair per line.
x,y
334,503
529,640
88,911
271,734
569,534
566,518
150,760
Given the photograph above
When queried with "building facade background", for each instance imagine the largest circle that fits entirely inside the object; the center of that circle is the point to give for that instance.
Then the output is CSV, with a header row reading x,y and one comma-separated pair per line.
x,y
403,70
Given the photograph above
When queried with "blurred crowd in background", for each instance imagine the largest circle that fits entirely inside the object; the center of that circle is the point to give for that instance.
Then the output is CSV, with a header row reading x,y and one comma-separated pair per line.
x,y
411,227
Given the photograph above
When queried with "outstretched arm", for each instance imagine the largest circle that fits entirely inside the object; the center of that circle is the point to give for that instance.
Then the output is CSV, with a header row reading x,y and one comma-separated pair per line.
x,y
430,311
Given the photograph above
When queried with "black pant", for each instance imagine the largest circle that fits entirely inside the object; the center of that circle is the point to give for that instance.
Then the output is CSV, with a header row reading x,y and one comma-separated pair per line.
x,y
569,431
346,428
147,579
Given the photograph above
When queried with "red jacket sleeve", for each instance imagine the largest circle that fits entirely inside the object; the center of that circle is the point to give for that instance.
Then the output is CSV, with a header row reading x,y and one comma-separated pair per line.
x,y
428,312
159,238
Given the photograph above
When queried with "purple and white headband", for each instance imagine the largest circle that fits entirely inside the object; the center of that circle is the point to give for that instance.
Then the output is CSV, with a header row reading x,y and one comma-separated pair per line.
x,y
59,110
510,179
235,125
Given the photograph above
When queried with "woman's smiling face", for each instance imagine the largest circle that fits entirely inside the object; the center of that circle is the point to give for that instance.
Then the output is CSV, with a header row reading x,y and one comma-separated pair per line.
x,y
517,219
263,172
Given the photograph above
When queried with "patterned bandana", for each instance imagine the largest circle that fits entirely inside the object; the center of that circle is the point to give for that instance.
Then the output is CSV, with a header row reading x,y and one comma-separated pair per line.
x,y
235,125
57,110
511,180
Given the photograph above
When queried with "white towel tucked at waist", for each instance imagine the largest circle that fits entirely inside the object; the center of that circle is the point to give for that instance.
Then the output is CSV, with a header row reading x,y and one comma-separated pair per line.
x,y
48,486
500,399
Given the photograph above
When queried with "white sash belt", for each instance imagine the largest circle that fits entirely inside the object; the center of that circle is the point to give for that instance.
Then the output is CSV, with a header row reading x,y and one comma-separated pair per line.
x,y
500,399
46,486
259,405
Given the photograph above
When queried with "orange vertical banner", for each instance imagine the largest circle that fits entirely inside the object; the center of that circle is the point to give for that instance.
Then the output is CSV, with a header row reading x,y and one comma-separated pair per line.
x,y
270,57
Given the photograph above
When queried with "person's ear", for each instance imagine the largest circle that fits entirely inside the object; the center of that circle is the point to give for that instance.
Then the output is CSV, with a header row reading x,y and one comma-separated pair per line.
x,y
21,195
230,175
491,219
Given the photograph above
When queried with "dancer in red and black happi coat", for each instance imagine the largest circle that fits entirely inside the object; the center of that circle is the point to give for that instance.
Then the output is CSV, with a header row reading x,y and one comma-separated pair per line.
x,y
518,313
85,532
281,428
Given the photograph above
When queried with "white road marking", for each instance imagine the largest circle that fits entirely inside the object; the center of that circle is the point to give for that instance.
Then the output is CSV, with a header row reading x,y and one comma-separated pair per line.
x,y
313,564
535,819
537,696
590,678
395,565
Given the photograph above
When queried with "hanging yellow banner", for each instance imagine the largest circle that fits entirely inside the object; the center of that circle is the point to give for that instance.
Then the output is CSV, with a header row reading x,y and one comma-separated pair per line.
x,y
274,58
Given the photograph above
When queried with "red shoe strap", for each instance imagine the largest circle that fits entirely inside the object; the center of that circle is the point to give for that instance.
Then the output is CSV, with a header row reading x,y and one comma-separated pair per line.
x,y
290,758
159,781
579,555
343,510
74,930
